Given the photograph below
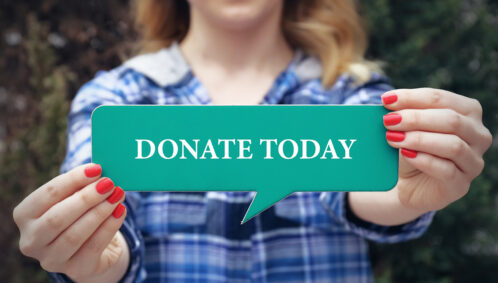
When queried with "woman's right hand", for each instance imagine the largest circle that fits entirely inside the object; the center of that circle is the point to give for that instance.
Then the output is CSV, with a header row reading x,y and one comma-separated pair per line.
x,y
71,223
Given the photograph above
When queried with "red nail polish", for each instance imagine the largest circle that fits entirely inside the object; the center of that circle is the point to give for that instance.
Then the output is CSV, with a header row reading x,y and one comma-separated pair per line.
x,y
408,153
389,98
395,136
104,186
116,195
118,211
392,119
93,170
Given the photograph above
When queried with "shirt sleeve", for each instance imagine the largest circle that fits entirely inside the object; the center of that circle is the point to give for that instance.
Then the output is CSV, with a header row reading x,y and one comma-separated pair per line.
x,y
337,206
105,89
336,203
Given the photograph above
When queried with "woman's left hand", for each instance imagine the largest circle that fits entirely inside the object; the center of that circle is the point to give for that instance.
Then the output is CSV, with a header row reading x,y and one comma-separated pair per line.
x,y
442,141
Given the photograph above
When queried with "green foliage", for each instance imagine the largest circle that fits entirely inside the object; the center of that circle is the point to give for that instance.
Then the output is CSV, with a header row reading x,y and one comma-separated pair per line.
x,y
36,154
452,45
46,140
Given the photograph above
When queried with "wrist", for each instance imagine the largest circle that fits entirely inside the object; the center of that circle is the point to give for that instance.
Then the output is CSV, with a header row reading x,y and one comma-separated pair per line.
x,y
382,208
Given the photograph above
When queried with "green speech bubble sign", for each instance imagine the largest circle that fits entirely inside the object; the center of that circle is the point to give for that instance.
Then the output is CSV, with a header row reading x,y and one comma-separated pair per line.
x,y
273,150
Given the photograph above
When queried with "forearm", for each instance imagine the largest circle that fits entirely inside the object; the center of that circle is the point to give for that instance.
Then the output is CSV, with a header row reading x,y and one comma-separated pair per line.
x,y
382,208
116,271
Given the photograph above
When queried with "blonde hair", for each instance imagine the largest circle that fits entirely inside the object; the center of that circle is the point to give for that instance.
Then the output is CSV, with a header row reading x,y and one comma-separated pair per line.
x,y
332,30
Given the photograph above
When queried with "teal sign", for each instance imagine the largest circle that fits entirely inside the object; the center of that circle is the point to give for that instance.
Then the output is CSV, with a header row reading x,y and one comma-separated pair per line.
x,y
273,150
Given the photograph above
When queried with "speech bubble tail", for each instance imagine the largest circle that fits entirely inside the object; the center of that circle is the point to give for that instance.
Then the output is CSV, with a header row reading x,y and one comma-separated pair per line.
x,y
262,200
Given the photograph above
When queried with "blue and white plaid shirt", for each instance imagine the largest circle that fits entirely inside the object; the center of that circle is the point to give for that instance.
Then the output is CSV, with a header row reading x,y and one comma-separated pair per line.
x,y
197,237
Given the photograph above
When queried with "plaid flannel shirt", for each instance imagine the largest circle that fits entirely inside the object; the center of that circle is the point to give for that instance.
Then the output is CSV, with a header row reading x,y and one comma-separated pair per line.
x,y
197,237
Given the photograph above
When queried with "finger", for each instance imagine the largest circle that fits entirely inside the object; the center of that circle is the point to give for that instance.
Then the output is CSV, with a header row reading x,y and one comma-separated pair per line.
x,y
424,98
442,145
92,250
63,214
57,190
445,121
69,241
453,182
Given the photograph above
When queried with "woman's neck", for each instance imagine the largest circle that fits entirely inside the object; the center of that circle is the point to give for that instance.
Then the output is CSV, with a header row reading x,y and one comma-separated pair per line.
x,y
261,45
236,65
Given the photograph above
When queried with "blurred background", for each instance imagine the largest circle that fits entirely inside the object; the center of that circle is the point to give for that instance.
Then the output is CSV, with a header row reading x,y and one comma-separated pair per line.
x,y
49,48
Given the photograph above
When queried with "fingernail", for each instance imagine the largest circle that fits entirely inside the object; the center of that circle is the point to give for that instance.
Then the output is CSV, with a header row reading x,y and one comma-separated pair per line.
x,y
104,186
389,98
116,195
392,119
118,211
93,170
408,153
395,136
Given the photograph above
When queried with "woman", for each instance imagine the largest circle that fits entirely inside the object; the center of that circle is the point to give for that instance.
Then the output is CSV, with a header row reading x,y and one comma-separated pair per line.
x,y
249,52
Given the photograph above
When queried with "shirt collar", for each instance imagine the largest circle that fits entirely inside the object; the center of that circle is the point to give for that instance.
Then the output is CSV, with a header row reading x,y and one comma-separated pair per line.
x,y
165,67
